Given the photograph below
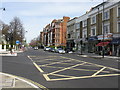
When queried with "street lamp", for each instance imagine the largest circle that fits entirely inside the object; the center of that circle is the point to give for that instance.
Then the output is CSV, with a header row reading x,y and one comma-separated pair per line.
x,y
103,48
3,9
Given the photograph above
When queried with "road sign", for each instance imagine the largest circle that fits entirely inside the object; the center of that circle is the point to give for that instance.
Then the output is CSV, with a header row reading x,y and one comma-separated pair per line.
x,y
17,42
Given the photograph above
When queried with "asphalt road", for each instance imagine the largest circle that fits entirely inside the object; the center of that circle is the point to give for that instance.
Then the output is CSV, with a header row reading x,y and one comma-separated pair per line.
x,y
54,70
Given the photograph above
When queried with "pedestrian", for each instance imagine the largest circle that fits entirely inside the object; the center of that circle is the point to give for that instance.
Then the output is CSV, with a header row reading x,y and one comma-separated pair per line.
x,y
11,50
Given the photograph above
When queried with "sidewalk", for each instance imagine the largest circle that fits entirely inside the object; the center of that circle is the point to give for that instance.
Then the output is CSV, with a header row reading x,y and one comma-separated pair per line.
x,y
10,81
93,55
7,53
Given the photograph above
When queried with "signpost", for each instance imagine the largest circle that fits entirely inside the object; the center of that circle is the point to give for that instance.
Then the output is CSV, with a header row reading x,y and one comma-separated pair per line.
x,y
17,42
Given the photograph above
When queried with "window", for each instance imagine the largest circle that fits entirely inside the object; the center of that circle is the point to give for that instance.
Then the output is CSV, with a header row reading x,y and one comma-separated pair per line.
x,y
93,31
85,23
68,35
84,33
118,26
106,29
93,20
118,11
77,25
77,34
106,15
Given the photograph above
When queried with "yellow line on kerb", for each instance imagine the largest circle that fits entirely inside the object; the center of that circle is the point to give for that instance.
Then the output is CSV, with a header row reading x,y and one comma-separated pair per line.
x,y
38,67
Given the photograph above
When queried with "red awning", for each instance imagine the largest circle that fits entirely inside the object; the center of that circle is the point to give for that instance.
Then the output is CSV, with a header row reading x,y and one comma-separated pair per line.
x,y
103,44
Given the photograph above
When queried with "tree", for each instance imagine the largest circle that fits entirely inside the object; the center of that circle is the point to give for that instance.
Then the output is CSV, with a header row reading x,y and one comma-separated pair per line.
x,y
4,29
16,29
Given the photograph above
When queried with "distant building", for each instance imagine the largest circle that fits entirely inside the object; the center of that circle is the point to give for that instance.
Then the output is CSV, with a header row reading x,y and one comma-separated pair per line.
x,y
71,33
55,32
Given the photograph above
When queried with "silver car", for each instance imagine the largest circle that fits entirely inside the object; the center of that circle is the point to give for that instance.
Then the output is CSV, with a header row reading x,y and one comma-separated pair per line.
x,y
60,50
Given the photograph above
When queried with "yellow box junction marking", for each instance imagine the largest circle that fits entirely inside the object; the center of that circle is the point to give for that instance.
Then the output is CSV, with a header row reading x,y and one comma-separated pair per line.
x,y
75,69
38,67
67,68
98,71
67,77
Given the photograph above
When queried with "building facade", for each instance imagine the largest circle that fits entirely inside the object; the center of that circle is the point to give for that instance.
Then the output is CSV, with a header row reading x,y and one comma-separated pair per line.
x,y
55,32
71,32
98,28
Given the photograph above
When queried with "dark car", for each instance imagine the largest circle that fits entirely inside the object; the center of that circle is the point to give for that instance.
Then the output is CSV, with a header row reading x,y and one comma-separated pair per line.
x,y
52,50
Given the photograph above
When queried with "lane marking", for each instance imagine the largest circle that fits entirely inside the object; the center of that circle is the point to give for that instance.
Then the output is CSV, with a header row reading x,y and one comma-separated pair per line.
x,y
67,68
74,69
38,67
51,66
55,63
84,77
43,60
99,71
30,58
60,75
100,65
46,77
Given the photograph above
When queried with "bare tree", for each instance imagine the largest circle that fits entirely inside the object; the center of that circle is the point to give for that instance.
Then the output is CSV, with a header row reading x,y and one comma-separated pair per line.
x,y
17,29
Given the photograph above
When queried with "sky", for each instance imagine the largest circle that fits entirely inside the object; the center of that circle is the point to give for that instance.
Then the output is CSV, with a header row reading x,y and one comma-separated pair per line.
x,y
36,14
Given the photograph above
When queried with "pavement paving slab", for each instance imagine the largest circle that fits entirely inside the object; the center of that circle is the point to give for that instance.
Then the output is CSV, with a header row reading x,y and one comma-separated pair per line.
x,y
8,81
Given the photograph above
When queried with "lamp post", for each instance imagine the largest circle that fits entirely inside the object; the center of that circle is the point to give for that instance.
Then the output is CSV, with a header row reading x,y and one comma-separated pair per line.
x,y
3,9
81,42
103,48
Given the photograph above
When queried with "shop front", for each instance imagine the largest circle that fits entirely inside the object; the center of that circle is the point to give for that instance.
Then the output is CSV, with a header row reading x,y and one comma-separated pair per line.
x,y
70,44
115,43
104,44
92,41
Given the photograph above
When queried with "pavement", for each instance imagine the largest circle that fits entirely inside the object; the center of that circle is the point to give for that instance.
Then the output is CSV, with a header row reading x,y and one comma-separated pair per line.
x,y
7,53
93,55
11,81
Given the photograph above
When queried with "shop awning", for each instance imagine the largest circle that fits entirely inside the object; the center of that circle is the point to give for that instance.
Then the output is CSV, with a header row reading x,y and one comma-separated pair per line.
x,y
103,44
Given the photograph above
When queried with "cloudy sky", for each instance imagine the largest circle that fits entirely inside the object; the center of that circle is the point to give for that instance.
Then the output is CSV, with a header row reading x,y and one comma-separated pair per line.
x,y
35,14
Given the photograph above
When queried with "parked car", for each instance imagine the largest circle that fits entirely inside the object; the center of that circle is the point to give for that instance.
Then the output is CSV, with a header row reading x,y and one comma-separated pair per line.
x,y
46,48
52,50
60,50
35,48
